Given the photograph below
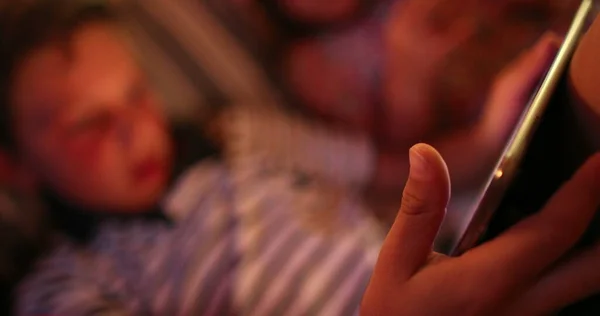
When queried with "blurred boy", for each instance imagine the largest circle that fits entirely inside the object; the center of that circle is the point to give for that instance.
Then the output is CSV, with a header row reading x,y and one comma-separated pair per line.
x,y
84,128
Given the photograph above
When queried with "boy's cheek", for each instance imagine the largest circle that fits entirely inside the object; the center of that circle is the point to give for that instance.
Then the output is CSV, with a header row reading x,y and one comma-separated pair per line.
x,y
83,148
83,155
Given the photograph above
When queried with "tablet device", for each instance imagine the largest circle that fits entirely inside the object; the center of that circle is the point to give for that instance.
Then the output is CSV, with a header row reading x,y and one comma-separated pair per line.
x,y
488,199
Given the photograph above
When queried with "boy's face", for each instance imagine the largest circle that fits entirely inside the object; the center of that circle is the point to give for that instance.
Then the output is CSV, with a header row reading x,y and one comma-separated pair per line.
x,y
88,125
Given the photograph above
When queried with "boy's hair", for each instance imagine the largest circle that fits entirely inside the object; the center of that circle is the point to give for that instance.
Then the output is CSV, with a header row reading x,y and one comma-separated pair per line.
x,y
26,25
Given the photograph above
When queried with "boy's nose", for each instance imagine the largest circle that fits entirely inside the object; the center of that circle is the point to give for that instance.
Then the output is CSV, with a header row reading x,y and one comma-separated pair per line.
x,y
126,128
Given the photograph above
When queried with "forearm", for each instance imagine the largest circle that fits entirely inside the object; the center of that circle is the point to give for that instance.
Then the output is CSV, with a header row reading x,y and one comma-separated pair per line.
x,y
297,144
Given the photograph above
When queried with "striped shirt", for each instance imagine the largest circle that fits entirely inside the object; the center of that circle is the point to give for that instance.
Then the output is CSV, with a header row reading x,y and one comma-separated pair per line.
x,y
247,240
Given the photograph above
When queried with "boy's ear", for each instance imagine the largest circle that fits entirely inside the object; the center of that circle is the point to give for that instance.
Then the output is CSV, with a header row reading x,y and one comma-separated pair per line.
x,y
15,175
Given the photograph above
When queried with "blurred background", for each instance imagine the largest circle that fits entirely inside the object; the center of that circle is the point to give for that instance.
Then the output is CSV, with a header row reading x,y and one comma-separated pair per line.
x,y
335,90
340,90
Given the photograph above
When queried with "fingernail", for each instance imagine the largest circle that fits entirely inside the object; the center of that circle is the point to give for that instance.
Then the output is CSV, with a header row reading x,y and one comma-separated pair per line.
x,y
418,164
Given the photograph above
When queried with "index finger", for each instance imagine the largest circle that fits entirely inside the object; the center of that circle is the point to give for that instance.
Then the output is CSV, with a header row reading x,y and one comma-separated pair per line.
x,y
524,251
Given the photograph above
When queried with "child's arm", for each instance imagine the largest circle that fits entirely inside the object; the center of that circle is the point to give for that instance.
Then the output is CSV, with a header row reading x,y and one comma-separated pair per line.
x,y
295,144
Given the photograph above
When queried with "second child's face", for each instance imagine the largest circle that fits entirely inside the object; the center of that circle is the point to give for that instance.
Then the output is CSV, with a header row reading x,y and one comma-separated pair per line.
x,y
89,126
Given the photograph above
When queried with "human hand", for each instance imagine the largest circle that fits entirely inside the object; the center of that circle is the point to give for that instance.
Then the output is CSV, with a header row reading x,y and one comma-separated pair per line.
x,y
331,82
522,272
471,152
514,87
418,35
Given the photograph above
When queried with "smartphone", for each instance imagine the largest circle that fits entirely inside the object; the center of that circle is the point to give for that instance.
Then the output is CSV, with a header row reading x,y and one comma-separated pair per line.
x,y
493,192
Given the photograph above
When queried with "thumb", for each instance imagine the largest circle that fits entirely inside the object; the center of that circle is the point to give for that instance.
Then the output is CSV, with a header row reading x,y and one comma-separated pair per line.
x,y
424,202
